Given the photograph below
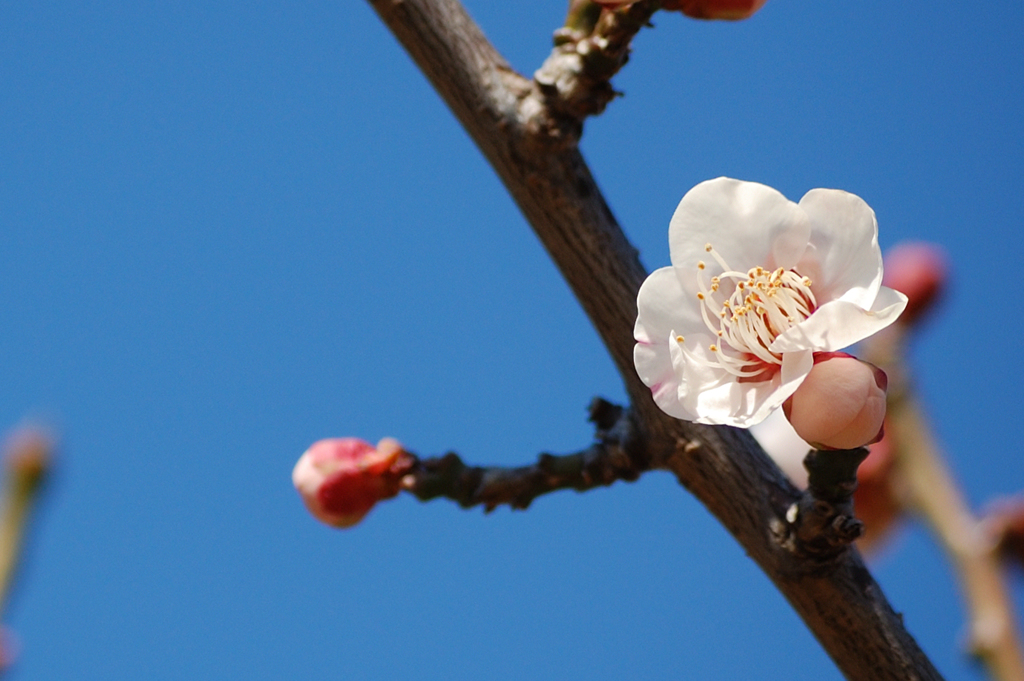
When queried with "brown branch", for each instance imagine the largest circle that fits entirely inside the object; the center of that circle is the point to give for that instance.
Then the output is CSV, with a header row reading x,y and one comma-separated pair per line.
x,y
613,456
531,145
574,79
820,526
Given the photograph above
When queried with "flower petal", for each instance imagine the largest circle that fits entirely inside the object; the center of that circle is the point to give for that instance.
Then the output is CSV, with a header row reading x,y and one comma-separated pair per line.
x,y
696,372
840,323
744,404
843,258
662,309
748,224
784,446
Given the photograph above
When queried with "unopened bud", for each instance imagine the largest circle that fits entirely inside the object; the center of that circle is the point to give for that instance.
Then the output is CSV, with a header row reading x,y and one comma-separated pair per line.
x,y
715,9
920,271
341,479
841,403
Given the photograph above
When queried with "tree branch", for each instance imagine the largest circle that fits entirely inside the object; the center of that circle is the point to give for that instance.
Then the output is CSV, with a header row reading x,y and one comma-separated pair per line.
x,y
613,456
531,144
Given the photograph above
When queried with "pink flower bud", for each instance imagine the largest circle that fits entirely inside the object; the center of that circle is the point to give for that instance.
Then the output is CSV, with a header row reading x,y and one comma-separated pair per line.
x,y
920,271
341,479
841,403
715,9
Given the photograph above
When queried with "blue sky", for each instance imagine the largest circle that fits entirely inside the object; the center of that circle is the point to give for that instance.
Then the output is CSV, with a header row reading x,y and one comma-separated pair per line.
x,y
226,233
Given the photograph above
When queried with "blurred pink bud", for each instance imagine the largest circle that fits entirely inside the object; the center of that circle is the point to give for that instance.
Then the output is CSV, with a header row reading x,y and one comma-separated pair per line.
x,y
919,270
341,479
28,457
841,403
875,499
10,647
715,9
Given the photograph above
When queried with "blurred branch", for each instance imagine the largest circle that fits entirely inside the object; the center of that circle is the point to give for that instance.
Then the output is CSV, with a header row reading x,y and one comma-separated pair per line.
x,y
931,491
27,457
925,485
528,131
612,457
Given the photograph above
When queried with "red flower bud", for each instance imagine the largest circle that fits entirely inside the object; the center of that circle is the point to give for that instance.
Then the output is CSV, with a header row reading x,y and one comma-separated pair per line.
x,y
341,479
715,9
920,271
841,403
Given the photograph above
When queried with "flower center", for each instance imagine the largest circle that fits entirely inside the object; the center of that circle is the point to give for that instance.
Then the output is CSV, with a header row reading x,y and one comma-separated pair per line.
x,y
748,311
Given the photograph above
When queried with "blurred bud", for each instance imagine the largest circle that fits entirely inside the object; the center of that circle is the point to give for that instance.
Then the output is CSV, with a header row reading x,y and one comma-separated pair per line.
x,y
341,479
875,499
841,403
919,270
715,9
27,458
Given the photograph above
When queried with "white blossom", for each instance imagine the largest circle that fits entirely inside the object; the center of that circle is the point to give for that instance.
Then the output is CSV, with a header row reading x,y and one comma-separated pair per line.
x,y
757,285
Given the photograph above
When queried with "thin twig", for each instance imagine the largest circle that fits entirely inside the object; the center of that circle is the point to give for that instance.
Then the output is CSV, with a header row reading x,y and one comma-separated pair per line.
x,y
612,457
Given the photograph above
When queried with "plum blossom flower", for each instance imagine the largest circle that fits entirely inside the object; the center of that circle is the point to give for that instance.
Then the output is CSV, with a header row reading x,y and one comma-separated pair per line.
x,y
757,285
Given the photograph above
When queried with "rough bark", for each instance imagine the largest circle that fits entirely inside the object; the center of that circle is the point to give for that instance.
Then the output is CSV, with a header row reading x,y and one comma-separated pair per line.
x,y
532,146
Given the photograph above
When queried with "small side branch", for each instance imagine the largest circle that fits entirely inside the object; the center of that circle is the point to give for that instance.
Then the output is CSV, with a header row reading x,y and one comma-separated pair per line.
x,y
612,457
574,80
821,526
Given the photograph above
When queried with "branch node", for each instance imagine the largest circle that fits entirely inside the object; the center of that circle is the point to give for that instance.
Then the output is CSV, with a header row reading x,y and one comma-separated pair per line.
x,y
820,526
